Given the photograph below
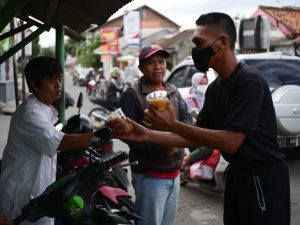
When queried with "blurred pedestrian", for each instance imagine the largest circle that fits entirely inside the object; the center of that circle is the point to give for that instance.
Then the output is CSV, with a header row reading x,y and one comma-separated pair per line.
x,y
195,99
91,76
115,87
101,83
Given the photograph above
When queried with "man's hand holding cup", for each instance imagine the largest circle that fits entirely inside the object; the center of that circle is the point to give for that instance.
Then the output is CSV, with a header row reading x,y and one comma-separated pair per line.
x,y
117,120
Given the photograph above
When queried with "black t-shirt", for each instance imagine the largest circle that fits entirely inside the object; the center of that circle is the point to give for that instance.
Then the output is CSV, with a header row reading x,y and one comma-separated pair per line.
x,y
243,103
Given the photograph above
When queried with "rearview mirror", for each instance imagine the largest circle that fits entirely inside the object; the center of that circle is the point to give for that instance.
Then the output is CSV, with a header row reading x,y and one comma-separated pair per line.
x,y
79,101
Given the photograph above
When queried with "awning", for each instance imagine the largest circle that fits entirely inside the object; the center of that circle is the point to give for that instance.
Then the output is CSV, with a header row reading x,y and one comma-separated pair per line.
x,y
77,15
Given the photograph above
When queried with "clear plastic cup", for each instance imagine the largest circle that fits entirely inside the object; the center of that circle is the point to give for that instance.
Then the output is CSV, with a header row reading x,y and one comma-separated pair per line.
x,y
158,99
119,115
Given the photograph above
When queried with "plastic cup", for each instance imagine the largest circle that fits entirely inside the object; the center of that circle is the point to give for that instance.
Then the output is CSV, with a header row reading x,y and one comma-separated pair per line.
x,y
119,115
158,99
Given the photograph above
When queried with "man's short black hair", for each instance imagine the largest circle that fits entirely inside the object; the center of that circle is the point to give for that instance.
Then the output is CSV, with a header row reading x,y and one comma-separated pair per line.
x,y
40,67
219,22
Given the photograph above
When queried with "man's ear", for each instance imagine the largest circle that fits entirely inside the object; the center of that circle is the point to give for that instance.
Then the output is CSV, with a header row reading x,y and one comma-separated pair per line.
x,y
34,85
225,42
141,68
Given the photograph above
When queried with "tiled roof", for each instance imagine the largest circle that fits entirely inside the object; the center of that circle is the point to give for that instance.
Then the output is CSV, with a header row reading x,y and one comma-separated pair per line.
x,y
287,16
167,43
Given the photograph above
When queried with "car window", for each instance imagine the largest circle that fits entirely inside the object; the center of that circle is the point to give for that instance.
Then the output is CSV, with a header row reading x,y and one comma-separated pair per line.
x,y
278,72
178,77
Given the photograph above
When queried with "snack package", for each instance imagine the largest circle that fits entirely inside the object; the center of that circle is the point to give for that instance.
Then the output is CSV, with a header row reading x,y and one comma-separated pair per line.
x,y
119,115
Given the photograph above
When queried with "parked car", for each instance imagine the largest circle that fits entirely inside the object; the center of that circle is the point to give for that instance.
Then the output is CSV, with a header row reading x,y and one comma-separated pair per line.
x,y
181,76
282,72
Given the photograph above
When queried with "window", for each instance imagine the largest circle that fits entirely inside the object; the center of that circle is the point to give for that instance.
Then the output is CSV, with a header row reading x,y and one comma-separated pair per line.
x,y
278,72
178,77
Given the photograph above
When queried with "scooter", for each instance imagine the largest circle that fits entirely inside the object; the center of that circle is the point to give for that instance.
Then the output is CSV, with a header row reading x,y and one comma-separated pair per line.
x,y
99,114
81,198
91,87
72,160
218,182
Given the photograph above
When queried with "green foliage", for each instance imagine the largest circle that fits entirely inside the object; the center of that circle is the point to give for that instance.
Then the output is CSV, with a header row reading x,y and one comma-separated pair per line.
x,y
71,47
87,57
36,47
48,52
5,43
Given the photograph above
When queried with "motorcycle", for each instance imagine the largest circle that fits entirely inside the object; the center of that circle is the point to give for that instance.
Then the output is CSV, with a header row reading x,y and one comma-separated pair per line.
x,y
91,87
72,160
100,114
218,181
82,198
101,87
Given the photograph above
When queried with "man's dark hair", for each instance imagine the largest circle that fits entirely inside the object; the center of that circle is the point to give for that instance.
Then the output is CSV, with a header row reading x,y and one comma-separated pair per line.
x,y
219,22
40,67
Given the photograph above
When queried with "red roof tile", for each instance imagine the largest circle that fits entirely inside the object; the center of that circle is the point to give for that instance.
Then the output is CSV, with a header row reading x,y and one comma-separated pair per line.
x,y
289,16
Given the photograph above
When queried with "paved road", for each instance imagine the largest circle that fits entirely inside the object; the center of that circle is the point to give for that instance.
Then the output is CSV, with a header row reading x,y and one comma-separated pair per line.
x,y
197,206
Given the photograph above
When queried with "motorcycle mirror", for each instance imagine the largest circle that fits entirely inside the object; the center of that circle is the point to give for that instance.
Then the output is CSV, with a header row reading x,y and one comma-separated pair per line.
x,y
79,102
104,134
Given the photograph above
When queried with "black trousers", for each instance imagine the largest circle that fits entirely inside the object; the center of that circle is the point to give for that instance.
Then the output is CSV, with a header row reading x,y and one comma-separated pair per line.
x,y
257,195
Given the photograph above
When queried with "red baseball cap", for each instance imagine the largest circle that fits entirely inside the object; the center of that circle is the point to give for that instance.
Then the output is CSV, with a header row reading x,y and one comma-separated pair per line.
x,y
150,50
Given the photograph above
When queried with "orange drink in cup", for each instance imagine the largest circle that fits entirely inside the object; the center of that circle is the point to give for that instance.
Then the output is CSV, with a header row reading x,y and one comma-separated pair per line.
x,y
158,99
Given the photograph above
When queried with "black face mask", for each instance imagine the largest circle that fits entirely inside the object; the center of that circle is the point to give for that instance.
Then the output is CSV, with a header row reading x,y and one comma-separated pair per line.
x,y
201,57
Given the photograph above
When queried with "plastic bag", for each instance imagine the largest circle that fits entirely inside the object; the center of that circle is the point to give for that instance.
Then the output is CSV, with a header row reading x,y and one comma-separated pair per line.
x,y
204,169
200,170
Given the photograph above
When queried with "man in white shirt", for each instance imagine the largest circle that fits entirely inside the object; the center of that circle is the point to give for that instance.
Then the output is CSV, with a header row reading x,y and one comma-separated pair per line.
x,y
29,158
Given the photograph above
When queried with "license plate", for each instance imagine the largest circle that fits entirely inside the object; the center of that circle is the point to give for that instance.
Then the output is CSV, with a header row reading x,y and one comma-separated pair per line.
x,y
288,141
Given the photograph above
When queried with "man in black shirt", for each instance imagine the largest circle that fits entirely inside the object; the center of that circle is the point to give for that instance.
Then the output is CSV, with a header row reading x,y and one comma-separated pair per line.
x,y
238,118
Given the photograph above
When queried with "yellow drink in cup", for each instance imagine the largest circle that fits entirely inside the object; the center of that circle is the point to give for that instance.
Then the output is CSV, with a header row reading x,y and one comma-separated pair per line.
x,y
158,99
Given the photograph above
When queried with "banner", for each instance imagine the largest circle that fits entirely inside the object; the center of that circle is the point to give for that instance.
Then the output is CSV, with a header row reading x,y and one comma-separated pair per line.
x,y
109,42
132,28
109,35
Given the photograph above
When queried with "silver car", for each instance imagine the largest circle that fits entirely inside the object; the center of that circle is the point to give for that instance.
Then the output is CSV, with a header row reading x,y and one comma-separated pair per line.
x,y
282,72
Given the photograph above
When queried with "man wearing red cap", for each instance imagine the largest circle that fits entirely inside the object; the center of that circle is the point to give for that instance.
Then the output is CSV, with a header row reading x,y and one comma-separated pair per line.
x,y
156,177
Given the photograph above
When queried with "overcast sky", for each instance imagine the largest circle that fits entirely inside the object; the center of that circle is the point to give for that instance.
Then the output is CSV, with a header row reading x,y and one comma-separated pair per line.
x,y
185,12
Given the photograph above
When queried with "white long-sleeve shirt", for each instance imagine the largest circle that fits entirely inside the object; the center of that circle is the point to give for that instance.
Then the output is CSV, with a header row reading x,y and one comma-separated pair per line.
x,y
29,157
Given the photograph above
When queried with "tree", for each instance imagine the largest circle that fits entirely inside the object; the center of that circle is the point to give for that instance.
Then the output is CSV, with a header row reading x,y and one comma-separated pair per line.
x,y
4,44
36,47
48,52
87,57
71,47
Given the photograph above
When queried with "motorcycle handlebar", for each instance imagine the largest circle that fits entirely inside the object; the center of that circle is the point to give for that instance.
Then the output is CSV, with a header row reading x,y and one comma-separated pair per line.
x,y
117,158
